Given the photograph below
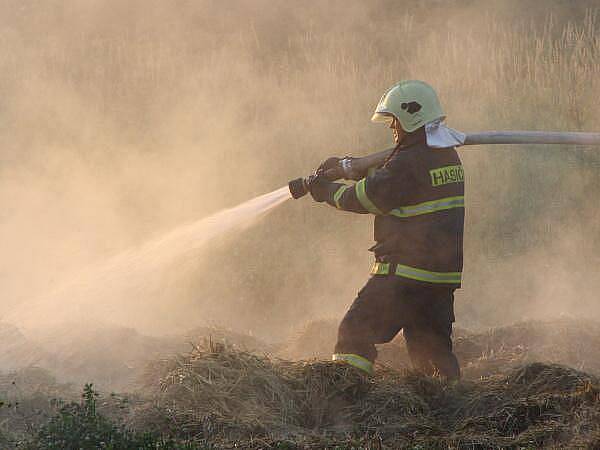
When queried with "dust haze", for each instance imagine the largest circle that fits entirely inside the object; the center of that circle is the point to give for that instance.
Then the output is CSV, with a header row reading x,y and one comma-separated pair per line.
x,y
121,121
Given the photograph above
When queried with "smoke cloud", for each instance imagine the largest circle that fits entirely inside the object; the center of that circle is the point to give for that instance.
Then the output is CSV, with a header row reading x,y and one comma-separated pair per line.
x,y
120,121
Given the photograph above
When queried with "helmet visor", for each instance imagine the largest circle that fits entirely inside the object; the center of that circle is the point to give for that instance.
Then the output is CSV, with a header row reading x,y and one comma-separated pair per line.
x,y
382,117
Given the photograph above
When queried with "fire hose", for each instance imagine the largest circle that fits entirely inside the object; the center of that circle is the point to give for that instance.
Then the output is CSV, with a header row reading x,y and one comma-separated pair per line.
x,y
348,166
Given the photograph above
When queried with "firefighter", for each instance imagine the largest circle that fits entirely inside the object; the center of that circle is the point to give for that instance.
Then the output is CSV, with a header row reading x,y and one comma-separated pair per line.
x,y
417,198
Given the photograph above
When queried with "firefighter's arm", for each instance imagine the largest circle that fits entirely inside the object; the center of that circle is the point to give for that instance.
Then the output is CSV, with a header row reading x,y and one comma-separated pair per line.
x,y
336,194
372,194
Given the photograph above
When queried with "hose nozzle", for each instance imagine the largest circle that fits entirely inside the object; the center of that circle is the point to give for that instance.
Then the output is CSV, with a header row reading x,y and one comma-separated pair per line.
x,y
298,188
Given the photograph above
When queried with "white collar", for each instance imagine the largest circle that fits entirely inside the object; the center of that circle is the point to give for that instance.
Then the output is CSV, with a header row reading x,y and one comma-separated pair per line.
x,y
440,136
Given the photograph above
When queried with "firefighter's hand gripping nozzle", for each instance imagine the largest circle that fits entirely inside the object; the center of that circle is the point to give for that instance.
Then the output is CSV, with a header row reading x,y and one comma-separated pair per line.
x,y
345,168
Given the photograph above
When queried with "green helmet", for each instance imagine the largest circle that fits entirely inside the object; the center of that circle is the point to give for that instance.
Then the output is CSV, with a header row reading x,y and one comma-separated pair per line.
x,y
414,103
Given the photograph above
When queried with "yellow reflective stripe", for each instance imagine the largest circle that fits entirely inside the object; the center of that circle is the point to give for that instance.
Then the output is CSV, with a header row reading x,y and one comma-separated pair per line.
x,y
361,194
380,268
429,207
427,275
354,360
338,194
417,274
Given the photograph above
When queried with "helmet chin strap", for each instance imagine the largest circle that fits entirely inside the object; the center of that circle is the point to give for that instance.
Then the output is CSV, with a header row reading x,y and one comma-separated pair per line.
x,y
397,130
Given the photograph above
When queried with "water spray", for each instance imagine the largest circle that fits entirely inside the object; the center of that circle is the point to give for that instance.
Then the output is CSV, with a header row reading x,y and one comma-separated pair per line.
x,y
348,167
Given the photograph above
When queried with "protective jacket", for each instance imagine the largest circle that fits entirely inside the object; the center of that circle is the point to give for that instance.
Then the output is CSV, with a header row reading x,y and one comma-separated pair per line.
x,y
417,198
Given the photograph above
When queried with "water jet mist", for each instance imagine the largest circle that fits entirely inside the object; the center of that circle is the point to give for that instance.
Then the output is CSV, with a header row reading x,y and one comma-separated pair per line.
x,y
102,292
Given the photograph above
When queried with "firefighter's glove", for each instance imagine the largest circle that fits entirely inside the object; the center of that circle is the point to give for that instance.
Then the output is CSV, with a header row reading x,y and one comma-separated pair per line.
x,y
319,187
329,164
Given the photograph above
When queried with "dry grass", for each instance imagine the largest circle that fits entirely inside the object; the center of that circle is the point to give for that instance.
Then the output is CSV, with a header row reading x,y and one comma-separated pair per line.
x,y
241,394
217,395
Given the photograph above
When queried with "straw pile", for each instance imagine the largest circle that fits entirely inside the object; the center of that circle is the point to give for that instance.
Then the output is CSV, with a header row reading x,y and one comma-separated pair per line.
x,y
225,391
217,392
219,396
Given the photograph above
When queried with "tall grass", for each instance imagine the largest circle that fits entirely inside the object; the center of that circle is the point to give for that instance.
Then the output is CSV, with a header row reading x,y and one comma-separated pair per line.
x,y
175,110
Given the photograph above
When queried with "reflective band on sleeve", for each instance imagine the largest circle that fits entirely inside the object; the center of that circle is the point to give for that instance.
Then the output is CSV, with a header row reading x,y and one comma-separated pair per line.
x,y
361,194
428,276
417,274
354,360
429,207
338,194
380,269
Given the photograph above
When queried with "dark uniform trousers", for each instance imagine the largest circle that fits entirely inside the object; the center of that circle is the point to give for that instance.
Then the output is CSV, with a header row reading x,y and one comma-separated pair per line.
x,y
390,303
